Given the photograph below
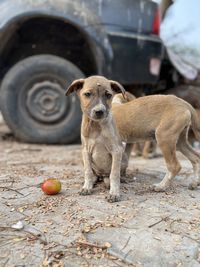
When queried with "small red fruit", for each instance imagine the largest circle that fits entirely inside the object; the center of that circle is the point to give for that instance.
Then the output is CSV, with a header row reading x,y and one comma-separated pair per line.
x,y
51,186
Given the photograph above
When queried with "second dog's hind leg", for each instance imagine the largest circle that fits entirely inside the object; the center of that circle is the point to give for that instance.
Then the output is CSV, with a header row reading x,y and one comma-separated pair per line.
x,y
168,136
194,157
168,148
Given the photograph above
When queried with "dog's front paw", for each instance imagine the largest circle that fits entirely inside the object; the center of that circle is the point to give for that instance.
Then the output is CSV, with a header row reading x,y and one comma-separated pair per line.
x,y
113,198
158,187
85,192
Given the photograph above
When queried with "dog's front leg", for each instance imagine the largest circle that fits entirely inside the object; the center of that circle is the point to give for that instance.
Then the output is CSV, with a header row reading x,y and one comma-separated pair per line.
x,y
114,194
88,173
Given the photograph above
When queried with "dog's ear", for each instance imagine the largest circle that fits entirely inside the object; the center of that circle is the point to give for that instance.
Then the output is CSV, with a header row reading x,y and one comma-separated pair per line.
x,y
75,86
118,88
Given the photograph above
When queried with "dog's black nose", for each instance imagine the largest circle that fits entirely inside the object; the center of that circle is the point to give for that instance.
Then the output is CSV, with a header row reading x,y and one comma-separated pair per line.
x,y
99,113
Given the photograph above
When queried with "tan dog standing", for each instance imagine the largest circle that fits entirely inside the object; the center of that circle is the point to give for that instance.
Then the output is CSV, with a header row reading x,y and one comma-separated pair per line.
x,y
102,148
166,118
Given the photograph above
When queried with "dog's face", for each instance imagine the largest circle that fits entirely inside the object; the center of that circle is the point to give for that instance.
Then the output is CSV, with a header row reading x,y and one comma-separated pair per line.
x,y
95,93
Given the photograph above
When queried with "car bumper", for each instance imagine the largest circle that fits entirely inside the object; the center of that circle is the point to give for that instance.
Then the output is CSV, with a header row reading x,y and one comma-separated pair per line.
x,y
136,57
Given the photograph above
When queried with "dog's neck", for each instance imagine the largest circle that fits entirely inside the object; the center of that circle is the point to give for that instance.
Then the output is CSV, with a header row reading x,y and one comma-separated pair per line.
x,y
89,125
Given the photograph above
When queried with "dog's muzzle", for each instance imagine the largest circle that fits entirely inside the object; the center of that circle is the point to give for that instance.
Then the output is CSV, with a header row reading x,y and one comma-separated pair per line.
x,y
99,112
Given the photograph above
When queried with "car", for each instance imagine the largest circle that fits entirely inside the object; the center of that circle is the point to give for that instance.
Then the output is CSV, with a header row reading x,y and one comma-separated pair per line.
x,y
45,45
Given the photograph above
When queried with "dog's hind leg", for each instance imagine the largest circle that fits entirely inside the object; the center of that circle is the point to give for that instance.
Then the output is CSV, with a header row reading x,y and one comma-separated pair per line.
x,y
173,166
193,156
167,136
168,148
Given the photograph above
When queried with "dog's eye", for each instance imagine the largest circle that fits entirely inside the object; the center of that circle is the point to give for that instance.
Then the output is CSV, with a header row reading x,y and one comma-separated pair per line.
x,y
108,95
88,94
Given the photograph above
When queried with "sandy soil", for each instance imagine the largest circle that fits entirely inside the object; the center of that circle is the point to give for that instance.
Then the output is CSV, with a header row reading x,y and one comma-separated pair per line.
x,y
144,229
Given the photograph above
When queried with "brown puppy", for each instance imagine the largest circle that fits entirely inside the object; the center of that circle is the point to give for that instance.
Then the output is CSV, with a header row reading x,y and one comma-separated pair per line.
x,y
167,118
102,148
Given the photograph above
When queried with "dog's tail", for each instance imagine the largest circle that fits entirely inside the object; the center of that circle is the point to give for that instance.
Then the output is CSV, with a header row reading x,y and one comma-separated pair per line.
x,y
120,99
195,123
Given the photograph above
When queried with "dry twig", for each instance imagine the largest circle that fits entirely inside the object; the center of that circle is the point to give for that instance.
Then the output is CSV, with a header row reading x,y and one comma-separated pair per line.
x,y
92,245
161,220
11,189
126,243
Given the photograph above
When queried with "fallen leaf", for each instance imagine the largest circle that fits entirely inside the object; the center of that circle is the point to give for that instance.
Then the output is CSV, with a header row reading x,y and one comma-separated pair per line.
x,y
17,239
22,256
107,245
18,226
21,210
45,262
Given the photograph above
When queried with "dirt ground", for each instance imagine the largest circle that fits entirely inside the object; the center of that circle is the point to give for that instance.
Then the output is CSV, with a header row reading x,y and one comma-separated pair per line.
x,y
144,229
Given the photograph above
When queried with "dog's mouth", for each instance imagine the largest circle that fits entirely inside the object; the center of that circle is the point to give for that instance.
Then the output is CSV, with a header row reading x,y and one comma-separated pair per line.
x,y
98,118
98,115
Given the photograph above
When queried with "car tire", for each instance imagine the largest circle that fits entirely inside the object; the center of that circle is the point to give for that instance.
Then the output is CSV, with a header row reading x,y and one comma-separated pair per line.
x,y
33,101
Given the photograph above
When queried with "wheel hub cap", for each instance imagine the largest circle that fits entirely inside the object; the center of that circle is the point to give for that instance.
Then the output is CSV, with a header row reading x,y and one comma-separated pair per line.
x,y
46,102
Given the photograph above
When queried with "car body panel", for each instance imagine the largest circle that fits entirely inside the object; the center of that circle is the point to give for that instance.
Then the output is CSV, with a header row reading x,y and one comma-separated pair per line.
x,y
119,32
